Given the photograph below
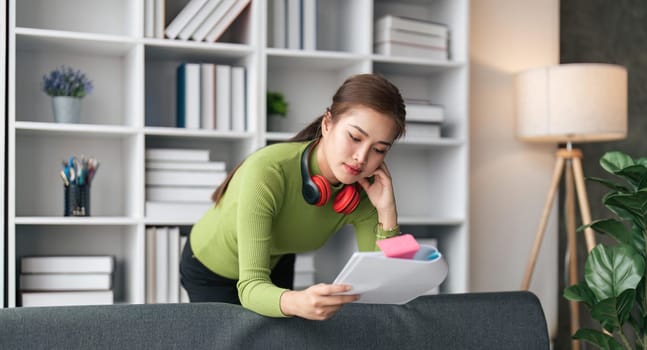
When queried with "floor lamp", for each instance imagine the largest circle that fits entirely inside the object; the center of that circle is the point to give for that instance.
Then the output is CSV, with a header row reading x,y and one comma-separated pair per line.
x,y
566,104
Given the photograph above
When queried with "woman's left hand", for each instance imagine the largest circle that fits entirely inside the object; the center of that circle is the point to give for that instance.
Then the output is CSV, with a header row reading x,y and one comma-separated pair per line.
x,y
381,195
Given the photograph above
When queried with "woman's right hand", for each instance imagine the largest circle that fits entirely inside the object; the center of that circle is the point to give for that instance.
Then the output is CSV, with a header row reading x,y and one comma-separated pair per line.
x,y
318,302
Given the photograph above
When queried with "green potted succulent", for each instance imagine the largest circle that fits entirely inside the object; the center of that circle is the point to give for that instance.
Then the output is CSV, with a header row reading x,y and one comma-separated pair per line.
x,y
613,288
277,111
67,87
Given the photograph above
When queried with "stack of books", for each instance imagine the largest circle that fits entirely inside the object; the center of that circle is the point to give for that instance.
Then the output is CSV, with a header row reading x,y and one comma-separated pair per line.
x,y
211,96
424,119
66,280
401,36
292,24
202,20
163,251
180,182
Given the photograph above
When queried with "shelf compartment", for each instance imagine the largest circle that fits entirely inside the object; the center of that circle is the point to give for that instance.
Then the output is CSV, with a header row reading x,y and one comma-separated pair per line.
x,y
124,242
110,65
447,87
229,150
161,82
39,188
448,12
308,83
85,221
118,17
427,182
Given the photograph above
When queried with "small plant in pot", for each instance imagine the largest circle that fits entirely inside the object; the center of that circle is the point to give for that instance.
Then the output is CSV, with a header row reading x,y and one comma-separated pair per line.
x,y
613,288
277,111
67,87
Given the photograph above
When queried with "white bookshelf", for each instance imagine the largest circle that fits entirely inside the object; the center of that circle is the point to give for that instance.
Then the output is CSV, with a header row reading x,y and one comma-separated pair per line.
x,y
133,108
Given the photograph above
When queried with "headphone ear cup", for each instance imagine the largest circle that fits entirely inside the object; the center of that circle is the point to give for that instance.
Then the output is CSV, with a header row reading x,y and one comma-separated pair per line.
x,y
324,189
346,200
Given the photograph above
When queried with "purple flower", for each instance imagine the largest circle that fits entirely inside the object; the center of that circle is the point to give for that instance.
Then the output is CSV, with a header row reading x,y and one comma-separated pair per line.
x,y
65,81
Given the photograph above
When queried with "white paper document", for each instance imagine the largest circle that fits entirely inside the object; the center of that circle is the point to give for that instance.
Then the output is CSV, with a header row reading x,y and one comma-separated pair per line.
x,y
383,280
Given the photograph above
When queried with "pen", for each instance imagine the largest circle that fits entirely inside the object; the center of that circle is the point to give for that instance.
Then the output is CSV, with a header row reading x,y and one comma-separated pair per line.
x,y
65,181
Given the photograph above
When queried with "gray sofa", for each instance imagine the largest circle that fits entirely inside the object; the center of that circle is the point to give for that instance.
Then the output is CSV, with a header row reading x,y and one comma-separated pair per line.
x,y
505,320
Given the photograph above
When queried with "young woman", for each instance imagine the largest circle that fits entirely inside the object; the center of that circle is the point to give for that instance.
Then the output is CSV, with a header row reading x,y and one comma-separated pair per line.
x,y
291,198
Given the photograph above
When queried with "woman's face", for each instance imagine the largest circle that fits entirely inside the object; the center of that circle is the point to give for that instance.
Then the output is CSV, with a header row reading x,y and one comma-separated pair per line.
x,y
354,145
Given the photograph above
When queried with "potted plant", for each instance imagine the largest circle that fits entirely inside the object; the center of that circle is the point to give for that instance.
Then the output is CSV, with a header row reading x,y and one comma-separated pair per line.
x,y
67,87
277,111
613,288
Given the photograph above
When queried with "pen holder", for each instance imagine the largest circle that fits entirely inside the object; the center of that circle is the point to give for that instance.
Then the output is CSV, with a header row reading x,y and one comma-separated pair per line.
x,y
77,200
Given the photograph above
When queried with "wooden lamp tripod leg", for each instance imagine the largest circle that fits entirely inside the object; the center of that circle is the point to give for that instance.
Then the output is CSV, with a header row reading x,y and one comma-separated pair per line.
x,y
572,247
583,200
557,174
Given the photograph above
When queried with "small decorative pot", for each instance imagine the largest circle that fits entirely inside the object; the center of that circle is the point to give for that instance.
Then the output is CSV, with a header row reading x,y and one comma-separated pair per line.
x,y
66,109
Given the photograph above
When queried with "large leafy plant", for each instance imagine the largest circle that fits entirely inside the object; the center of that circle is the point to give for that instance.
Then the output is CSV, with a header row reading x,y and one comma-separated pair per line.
x,y
614,275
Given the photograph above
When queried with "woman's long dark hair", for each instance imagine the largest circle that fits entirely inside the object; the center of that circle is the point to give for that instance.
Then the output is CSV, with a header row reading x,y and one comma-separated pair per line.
x,y
368,90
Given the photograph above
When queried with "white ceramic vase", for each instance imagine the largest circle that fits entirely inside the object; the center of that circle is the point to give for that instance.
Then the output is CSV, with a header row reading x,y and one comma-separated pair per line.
x,y
66,109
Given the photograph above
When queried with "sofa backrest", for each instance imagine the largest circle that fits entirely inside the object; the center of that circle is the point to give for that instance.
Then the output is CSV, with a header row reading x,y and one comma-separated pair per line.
x,y
508,320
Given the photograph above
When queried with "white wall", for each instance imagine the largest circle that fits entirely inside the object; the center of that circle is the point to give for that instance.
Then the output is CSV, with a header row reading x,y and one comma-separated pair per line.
x,y
509,178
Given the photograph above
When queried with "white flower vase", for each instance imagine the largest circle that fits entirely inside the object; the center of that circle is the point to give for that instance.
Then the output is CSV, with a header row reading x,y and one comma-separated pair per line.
x,y
66,109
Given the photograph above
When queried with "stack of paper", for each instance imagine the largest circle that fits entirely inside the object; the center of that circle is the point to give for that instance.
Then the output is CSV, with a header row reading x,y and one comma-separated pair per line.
x,y
424,119
383,280
180,182
401,36
66,280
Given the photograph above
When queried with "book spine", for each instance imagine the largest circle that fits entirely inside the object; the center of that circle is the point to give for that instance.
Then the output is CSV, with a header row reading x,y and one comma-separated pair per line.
x,y
61,281
223,97
179,155
181,96
181,20
184,178
179,194
226,21
207,98
174,165
238,92
67,264
293,24
216,15
198,19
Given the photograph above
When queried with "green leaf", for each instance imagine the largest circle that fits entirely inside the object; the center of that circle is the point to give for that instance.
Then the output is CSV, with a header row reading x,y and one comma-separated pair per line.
x,y
610,184
580,292
615,161
634,202
598,338
634,174
615,229
612,313
609,271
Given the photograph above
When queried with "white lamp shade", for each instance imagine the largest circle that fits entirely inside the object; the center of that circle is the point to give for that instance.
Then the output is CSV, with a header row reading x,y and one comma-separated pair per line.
x,y
572,102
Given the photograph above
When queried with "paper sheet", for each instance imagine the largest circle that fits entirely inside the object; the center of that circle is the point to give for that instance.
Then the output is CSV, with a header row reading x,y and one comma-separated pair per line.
x,y
382,280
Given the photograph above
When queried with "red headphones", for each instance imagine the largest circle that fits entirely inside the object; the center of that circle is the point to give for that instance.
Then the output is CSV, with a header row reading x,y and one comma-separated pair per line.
x,y
316,189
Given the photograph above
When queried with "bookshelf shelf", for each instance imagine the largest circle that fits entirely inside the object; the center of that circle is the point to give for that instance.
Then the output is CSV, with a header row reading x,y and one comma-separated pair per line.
x,y
133,108
92,221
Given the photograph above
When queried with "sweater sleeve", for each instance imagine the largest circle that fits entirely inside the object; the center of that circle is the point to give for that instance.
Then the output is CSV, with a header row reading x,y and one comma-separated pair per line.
x,y
258,203
368,231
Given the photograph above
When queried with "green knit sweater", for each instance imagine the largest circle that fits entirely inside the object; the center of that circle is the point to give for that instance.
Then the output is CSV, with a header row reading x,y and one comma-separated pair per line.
x,y
263,216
